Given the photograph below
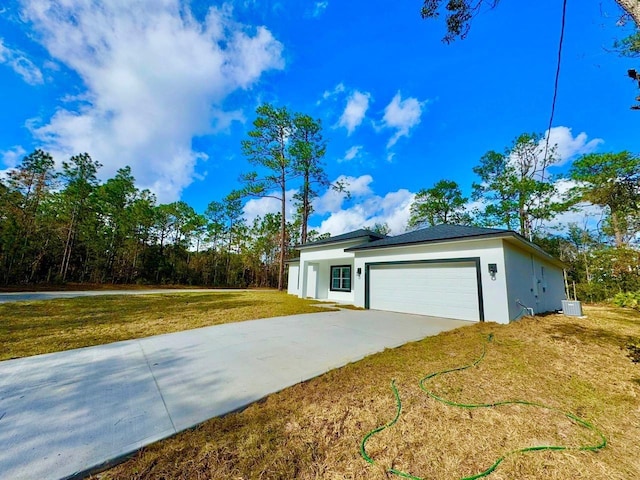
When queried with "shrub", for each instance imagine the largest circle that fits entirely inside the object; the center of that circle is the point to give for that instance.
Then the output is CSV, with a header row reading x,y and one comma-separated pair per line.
x,y
627,299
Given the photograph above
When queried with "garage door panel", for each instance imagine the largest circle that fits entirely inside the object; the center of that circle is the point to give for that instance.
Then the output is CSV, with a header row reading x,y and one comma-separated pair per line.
x,y
447,290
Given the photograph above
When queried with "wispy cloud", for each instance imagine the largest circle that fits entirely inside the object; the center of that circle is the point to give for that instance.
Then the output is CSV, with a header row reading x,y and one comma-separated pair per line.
x,y
352,153
155,78
402,116
355,111
340,88
11,157
319,8
20,64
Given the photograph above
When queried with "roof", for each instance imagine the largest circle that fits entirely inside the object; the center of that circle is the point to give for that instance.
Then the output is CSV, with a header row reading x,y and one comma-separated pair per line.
x,y
433,234
362,233
445,233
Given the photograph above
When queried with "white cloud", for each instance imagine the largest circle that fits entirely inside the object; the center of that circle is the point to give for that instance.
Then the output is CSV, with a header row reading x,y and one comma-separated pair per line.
x,y
20,64
568,146
367,208
155,78
584,215
258,207
563,145
392,209
340,88
355,111
331,201
402,115
350,154
319,8
11,157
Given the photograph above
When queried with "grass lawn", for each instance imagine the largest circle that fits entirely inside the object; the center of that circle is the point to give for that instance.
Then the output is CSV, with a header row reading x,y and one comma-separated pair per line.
x,y
313,430
31,328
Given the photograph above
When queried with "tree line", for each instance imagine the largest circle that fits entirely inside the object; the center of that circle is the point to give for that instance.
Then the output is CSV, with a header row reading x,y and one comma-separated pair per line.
x,y
64,225
515,190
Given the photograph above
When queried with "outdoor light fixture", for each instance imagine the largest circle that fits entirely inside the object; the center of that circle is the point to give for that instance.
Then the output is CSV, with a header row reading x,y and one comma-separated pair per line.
x,y
359,271
493,269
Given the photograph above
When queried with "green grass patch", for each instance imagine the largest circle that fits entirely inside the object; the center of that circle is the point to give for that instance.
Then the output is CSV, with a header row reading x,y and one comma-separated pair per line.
x,y
32,328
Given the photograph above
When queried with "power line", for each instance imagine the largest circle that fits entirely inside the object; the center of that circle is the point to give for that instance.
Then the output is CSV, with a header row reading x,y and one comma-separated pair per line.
x,y
555,86
555,97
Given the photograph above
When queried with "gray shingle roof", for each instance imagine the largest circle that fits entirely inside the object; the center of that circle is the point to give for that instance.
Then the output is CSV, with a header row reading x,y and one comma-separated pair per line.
x,y
432,234
362,233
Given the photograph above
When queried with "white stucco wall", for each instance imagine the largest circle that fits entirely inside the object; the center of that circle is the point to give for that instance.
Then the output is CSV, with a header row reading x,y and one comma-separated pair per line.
x,y
293,279
489,251
533,280
520,273
322,258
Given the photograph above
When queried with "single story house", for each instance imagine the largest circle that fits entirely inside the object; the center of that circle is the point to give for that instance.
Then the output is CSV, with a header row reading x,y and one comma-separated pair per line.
x,y
451,271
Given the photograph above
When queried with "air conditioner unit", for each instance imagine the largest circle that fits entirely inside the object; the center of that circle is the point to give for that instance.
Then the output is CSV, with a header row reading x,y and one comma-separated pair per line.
x,y
572,308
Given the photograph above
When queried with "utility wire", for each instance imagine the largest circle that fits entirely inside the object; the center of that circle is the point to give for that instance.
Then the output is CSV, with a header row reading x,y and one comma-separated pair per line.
x,y
555,86
555,97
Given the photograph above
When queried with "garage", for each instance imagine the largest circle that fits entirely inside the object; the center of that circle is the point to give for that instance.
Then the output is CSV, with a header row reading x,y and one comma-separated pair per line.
x,y
460,272
443,288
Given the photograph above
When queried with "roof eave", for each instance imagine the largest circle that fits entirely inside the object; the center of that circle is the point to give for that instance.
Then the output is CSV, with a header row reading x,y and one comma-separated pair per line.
x,y
538,249
337,242
496,235
422,242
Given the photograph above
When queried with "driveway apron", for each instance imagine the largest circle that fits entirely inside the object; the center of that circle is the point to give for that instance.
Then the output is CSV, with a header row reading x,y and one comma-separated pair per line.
x,y
65,414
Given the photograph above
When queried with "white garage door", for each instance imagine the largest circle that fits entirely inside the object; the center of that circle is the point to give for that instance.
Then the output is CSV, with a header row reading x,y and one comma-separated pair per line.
x,y
447,290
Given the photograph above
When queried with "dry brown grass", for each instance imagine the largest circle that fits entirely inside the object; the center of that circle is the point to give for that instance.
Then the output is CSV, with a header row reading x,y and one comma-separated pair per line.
x,y
32,328
313,430
348,306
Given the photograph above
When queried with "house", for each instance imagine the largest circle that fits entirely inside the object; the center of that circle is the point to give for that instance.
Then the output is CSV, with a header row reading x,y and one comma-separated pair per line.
x,y
451,271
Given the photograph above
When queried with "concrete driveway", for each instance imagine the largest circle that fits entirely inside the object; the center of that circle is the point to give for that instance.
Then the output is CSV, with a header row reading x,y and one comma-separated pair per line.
x,y
64,414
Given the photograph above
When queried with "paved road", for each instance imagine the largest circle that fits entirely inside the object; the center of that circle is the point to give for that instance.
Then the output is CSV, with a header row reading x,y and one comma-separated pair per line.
x,y
30,296
63,414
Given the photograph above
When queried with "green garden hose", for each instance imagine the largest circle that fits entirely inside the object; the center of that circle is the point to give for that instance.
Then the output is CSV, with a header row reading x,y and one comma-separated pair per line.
x,y
570,416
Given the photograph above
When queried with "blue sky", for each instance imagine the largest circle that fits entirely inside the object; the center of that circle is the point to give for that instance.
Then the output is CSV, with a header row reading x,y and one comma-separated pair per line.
x,y
170,88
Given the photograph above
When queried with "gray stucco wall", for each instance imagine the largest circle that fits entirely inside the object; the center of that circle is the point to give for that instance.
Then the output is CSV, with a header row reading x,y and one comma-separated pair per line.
x,y
532,280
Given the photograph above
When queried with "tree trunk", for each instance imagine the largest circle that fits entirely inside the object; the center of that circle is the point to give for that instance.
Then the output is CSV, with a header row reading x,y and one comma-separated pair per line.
x,y
305,208
66,256
615,224
283,233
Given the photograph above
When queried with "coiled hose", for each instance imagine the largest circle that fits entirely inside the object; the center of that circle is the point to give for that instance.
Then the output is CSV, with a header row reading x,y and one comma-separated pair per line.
x,y
579,421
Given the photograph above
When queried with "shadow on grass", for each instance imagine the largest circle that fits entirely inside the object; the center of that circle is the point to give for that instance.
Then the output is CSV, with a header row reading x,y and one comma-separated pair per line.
x,y
115,310
598,336
33,328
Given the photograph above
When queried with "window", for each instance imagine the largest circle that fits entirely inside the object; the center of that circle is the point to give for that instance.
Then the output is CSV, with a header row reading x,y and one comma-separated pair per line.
x,y
341,278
